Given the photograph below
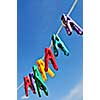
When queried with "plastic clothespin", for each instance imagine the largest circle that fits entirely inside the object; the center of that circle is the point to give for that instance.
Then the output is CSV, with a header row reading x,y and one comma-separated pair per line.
x,y
32,81
41,66
27,83
70,24
49,56
39,81
57,43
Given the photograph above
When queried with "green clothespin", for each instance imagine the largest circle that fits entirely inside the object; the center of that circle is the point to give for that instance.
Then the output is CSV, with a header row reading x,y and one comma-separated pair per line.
x,y
39,81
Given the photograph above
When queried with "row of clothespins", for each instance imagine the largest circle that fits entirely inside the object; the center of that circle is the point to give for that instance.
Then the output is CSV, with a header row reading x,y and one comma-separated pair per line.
x,y
38,76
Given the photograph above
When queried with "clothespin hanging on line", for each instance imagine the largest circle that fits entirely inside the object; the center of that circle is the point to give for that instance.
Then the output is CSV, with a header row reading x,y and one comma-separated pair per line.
x,y
70,24
41,66
39,81
57,43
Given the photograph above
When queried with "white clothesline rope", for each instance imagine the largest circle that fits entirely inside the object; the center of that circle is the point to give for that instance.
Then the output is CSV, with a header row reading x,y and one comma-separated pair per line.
x,y
73,6
71,9
20,86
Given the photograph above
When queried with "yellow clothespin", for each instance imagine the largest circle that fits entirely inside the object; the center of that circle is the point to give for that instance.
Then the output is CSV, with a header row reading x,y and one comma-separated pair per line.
x,y
41,66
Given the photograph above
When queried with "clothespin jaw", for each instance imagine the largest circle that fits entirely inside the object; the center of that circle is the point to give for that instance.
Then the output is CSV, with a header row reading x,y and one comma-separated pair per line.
x,y
70,24
27,83
39,81
57,43
49,56
41,66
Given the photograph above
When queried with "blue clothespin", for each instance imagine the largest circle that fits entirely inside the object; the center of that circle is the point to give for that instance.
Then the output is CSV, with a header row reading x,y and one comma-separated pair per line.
x,y
57,43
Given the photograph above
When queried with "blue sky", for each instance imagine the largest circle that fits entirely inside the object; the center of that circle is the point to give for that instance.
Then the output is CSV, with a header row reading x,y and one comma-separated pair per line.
x,y
37,21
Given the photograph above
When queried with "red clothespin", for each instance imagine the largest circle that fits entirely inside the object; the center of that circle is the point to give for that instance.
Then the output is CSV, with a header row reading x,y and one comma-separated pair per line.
x,y
27,83
49,56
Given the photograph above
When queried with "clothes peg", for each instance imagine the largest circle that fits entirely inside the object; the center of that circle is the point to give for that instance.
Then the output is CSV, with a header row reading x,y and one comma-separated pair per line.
x,y
32,81
39,81
70,24
41,66
27,83
57,43
49,56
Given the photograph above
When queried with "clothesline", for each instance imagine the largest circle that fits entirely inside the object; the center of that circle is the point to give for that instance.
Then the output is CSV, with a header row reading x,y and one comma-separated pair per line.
x,y
20,85
58,31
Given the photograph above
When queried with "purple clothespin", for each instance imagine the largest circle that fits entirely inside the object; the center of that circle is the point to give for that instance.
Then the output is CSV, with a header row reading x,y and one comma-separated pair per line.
x,y
32,81
70,24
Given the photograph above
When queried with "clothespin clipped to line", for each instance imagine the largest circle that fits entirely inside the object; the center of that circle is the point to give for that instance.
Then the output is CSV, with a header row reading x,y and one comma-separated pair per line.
x,y
57,43
69,25
39,81
49,56
41,66
28,83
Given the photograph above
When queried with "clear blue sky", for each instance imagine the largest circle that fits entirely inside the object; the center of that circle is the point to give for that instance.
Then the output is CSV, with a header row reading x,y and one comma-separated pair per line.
x,y
37,21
